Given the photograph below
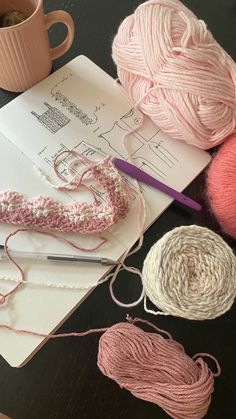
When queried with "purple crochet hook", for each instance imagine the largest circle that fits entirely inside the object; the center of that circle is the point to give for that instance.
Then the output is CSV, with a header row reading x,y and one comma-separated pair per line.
x,y
141,176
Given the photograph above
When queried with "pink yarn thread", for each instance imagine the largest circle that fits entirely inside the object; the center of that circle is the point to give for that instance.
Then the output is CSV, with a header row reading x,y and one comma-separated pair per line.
x,y
173,69
83,217
221,185
119,195
151,367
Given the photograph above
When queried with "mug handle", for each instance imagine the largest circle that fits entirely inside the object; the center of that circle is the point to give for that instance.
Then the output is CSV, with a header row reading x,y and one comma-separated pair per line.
x,y
59,16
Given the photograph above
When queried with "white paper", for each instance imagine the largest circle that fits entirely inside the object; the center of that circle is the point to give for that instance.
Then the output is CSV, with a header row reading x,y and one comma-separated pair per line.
x,y
76,106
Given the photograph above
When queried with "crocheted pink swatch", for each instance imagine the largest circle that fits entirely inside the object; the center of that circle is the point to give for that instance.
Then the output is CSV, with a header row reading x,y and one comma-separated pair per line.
x,y
83,217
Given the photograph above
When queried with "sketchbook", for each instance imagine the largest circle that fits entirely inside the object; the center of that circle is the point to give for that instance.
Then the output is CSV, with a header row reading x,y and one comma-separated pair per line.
x,y
77,106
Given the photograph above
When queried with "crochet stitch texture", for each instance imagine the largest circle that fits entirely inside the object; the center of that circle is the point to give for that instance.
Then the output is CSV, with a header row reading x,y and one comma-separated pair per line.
x,y
84,217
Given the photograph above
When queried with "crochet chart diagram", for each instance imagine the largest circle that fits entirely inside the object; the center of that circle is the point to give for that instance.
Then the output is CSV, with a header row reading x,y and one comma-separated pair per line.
x,y
52,119
73,108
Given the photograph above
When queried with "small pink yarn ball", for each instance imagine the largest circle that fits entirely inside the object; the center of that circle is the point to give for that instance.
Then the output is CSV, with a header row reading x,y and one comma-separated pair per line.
x,y
221,185
174,70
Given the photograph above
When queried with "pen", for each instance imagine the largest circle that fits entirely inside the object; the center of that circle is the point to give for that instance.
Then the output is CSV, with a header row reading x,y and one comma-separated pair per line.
x,y
54,257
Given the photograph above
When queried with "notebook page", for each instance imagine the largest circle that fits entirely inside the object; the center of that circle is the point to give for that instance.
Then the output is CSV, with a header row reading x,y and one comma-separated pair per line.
x,y
80,104
39,307
77,107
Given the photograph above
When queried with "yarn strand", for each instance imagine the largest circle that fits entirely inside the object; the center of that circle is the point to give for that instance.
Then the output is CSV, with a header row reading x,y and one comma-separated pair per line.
x,y
151,367
22,280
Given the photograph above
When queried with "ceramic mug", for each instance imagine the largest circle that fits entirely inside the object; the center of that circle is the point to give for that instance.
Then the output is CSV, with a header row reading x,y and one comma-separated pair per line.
x,y
25,53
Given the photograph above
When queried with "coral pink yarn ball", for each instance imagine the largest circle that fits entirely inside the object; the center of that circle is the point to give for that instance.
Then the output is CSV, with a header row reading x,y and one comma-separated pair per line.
x,y
221,183
174,70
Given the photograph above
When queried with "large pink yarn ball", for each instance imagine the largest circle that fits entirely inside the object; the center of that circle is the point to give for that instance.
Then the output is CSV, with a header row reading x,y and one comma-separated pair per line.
x,y
172,67
221,184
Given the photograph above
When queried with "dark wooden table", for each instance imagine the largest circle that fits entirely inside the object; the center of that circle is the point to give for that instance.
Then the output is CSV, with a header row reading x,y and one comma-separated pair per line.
x,y
62,380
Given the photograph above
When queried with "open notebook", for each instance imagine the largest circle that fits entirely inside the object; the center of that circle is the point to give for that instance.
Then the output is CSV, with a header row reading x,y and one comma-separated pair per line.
x,y
75,106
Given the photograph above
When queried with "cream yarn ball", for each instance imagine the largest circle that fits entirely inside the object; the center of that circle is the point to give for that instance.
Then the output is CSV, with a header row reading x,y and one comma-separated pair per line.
x,y
190,272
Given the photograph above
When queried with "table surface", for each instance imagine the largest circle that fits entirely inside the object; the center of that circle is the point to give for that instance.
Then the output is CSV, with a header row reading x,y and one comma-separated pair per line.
x,y
63,380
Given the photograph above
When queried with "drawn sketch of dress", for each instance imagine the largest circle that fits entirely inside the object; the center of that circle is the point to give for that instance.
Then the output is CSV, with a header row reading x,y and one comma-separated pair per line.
x,y
163,154
115,136
149,167
135,120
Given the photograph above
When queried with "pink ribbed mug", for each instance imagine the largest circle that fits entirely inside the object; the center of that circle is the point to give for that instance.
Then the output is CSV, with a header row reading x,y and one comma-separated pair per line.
x,y
25,53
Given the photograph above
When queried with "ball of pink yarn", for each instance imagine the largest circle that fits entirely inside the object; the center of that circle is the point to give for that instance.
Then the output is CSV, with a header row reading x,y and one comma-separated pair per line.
x,y
172,67
157,370
221,185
